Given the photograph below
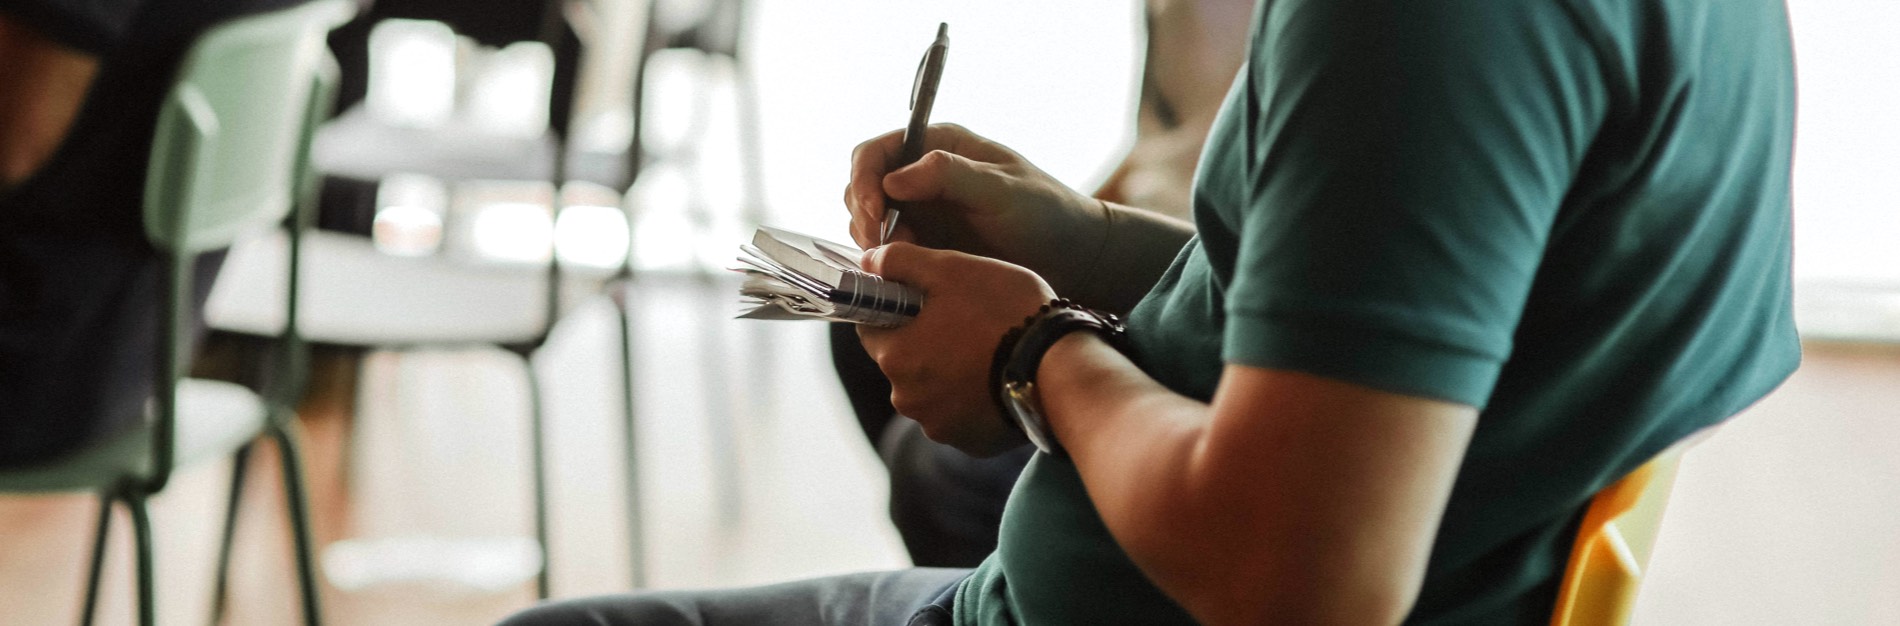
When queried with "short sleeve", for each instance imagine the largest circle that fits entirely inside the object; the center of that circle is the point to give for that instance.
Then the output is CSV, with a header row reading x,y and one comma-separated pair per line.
x,y
1406,161
92,26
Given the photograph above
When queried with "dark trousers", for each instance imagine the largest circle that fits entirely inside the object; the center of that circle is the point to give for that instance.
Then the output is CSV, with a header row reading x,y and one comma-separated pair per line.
x,y
912,597
945,504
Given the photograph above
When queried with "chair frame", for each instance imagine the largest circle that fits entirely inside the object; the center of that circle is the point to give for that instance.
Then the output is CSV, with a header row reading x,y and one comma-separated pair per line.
x,y
176,325
720,33
1610,556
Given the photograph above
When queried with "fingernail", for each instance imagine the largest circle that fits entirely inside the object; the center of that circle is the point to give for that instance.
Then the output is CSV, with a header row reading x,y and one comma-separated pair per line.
x,y
873,258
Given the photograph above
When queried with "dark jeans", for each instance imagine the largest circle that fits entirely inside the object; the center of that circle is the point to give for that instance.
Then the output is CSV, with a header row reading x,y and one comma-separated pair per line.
x,y
945,504
912,597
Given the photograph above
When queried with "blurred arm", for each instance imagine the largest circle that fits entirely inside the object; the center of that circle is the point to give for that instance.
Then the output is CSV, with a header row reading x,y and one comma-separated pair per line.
x,y
42,86
1194,49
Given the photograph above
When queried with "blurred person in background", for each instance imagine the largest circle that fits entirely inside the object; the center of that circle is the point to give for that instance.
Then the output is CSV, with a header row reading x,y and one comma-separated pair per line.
x,y
80,87
945,504
1455,267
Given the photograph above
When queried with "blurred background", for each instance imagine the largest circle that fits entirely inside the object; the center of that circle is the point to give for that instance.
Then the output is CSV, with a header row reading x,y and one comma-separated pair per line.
x,y
689,122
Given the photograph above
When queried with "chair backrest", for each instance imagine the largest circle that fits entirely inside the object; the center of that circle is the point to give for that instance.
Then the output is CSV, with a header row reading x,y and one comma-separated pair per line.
x,y
1611,553
230,135
230,154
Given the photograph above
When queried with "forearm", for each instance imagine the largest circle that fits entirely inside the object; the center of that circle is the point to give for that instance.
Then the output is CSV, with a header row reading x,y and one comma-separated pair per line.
x,y
1100,405
1117,257
1291,496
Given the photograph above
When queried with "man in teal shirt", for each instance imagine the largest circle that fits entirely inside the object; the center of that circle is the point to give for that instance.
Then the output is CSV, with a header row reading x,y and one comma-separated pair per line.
x,y
1461,264
1570,217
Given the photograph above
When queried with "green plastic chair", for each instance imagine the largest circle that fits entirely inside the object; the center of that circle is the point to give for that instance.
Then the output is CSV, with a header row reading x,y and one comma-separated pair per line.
x,y
230,156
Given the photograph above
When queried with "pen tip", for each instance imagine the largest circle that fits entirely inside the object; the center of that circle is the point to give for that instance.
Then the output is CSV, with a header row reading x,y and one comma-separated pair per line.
x,y
943,29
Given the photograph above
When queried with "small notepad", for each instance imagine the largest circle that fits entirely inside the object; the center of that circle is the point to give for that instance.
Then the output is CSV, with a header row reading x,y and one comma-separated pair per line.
x,y
790,276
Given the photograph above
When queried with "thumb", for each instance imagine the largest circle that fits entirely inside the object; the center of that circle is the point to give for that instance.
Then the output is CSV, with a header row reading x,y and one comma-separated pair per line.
x,y
906,263
942,175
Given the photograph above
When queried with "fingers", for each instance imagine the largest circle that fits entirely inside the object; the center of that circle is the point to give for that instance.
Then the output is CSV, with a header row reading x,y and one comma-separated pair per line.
x,y
875,158
911,264
920,388
864,194
939,363
942,175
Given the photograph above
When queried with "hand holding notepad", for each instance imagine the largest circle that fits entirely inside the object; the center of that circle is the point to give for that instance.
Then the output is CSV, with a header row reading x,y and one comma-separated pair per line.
x,y
790,276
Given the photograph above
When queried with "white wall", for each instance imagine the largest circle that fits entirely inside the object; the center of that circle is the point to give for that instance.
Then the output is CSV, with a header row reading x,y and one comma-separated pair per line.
x,y
1053,79
1847,146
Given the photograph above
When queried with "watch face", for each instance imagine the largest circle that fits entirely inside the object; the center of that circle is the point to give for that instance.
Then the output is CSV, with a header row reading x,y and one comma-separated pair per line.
x,y
1021,399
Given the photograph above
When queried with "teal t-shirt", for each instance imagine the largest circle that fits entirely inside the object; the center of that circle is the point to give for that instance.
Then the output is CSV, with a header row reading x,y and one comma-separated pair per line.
x,y
1573,215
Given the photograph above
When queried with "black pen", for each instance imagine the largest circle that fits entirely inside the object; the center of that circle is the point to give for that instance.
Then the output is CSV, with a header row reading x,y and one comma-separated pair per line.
x,y
923,94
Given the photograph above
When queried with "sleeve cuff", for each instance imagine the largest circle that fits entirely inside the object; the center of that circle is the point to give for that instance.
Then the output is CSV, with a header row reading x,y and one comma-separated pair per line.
x,y
1362,354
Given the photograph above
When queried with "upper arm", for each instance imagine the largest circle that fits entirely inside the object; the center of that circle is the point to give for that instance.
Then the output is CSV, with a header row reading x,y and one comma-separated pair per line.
x,y
43,84
1405,164
1348,482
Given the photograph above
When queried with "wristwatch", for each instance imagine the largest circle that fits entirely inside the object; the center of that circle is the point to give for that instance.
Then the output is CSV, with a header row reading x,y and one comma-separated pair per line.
x,y
1019,356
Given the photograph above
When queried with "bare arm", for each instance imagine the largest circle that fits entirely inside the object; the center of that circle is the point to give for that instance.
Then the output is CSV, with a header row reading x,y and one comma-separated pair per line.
x,y
1135,247
1291,496
1194,49
1295,497
42,85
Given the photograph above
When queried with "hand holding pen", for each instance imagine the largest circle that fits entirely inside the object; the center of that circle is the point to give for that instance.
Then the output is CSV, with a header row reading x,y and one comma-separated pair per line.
x,y
970,194
923,94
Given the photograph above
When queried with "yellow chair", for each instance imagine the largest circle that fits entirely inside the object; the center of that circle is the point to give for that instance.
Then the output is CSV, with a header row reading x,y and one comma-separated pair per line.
x,y
1611,554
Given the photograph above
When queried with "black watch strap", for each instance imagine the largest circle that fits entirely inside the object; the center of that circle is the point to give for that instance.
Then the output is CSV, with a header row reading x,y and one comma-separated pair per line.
x,y
1019,357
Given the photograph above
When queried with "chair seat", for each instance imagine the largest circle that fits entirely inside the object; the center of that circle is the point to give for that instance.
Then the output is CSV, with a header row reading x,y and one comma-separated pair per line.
x,y
215,418
354,294
355,144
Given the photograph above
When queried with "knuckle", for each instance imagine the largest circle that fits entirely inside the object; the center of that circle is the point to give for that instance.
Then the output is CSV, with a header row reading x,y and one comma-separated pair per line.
x,y
900,253
905,372
900,370
955,263
874,344
938,160
910,405
916,263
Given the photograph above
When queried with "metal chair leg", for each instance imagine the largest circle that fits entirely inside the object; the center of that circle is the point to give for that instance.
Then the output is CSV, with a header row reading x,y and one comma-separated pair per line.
x,y
537,427
239,463
292,456
98,559
752,153
142,547
636,535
